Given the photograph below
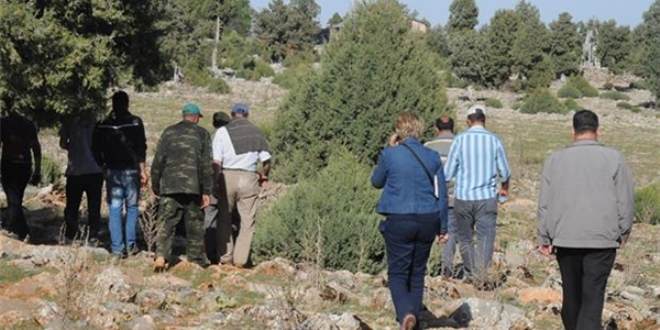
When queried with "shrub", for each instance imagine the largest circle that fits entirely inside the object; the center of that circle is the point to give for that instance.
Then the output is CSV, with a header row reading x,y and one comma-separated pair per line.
x,y
541,100
641,84
291,76
647,204
571,104
305,57
493,103
614,95
581,84
569,92
219,86
608,86
368,76
454,82
517,105
51,172
328,219
628,106
197,75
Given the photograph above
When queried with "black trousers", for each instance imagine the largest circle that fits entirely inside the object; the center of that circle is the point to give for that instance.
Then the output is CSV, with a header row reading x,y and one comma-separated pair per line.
x,y
584,274
15,178
92,186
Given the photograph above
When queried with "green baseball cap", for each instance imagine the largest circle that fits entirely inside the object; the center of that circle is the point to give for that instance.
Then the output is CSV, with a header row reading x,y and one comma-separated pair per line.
x,y
220,119
191,109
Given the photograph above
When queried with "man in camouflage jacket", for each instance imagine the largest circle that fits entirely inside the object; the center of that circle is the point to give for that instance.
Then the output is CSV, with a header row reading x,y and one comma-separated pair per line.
x,y
182,177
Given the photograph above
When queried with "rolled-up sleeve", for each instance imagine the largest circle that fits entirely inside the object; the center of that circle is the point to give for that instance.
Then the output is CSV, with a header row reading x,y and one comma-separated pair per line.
x,y
378,178
625,195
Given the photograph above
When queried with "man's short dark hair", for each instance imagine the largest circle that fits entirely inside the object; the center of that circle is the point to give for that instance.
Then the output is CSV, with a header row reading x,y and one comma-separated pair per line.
x,y
478,116
444,123
585,121
120,101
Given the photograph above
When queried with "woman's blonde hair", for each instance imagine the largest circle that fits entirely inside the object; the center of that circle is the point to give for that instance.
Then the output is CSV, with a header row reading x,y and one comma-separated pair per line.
x,y
409,124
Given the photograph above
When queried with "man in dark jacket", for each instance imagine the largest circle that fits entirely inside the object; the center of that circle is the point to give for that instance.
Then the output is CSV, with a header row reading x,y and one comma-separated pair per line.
x,y
119,146
585,212
182,177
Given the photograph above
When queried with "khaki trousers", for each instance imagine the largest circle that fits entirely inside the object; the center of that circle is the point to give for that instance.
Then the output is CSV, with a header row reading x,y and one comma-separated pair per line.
x,y
241,198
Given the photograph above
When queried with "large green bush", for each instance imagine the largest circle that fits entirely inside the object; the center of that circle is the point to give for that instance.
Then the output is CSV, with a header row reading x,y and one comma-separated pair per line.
x,y
292,76
493,103
541,100
647,204
373,70
328,220
571,104
569,92
581,84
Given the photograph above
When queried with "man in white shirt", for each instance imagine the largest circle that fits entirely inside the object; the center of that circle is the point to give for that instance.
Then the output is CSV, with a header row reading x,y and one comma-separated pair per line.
x,y
238,147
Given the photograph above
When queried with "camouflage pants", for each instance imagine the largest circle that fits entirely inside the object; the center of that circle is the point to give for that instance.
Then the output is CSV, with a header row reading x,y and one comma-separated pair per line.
x,y
173,208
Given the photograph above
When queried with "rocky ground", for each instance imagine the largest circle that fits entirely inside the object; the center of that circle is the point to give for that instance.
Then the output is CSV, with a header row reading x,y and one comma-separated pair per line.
x,y
43,285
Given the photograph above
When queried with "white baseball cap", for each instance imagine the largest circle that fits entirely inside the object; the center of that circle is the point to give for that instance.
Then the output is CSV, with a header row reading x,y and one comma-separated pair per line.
x,y
477,109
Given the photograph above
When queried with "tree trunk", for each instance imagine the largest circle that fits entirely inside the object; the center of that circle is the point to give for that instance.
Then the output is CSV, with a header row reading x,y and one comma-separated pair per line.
x,y
214,58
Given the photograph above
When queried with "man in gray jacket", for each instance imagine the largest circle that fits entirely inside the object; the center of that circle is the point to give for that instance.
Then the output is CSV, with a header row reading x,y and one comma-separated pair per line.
x,y
585,212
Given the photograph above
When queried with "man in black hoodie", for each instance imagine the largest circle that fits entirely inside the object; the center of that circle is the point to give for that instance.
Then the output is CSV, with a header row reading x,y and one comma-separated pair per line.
x,y
120,147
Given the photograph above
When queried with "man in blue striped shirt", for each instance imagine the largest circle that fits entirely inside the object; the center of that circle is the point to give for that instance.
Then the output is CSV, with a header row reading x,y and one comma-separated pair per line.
x,y
477,160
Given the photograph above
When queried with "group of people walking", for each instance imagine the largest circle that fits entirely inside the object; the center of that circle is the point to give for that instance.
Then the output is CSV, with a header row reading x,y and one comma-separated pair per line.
x,y
450,187
211,184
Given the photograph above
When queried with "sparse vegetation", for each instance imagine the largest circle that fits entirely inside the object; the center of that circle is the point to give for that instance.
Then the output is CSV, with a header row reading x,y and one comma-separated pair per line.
x,y
628,106
647,204
569,92
493,103
614,95
582,85
571,104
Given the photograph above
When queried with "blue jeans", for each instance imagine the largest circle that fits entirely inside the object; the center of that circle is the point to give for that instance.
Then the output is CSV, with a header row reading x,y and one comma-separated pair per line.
x,y
449,248
123,188
480,217
408,240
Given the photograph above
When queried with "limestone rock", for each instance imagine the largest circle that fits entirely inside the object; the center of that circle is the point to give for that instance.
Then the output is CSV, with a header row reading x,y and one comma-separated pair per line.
x,y
277,268
344,321
150,298
484,314
111,284
144,322
539,295
167,281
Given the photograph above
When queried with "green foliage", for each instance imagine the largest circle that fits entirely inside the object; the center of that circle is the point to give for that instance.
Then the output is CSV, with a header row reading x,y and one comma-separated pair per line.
x,y
628,106
541,75
468,58
437,41
336,19
571,104
531,43
493,103
569,92
59,57
328,219
517,105
307,57
613,45
368,76
219,86
581,84
614,95
608,86
565,46
641,84
51,172
452,81
500,37
541,100
286,29
463,16
647,204
197,75
292,76
652,48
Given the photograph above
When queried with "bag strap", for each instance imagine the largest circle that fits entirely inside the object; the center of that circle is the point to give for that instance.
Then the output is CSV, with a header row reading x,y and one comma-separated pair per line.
x,y
426,169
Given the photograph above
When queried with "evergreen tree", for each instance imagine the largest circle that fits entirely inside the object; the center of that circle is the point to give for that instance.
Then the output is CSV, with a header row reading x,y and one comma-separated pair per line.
x,y
565,46
368,76
437,41
287,29
652,45
60,57
336,19
500,37
468,56
532,40
463,15
613,45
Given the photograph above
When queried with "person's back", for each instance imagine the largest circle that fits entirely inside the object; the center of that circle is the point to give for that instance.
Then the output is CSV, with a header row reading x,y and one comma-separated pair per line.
x,y
586,171
19,135
119,141
79,148
182,155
